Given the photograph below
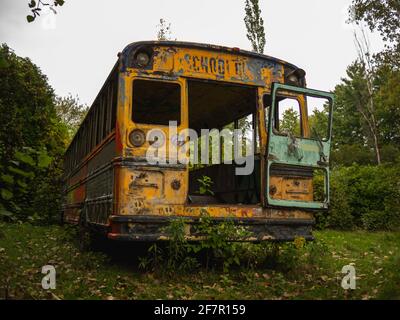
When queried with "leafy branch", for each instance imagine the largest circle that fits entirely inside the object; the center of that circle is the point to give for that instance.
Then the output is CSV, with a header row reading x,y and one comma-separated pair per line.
x,y
36,8
254,25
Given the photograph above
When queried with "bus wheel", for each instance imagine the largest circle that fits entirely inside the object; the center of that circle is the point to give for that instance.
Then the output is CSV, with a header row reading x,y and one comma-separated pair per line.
x,y
84,234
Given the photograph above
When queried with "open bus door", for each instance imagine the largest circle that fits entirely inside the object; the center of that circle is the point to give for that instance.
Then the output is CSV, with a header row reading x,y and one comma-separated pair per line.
x,y
297,154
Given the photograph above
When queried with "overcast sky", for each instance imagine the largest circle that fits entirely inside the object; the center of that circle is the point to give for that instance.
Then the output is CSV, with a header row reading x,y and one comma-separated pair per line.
x,y
77,48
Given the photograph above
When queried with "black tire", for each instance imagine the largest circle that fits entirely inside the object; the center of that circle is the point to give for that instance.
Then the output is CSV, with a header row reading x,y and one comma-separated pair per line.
x,y
61,221
84,233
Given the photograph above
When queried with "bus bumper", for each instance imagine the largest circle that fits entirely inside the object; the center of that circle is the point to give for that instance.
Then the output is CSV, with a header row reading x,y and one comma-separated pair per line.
x,y
150,228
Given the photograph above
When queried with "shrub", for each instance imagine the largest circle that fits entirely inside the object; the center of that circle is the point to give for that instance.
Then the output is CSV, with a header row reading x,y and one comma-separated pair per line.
x,y
364,197
220,240
340,211
349,154
32,141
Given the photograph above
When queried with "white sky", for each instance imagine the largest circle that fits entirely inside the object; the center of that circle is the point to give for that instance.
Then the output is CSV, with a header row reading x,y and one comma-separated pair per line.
x,y
77,48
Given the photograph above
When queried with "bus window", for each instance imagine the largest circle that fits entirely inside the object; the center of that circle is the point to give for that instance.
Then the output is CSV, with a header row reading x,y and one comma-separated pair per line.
x,y
156,102
248,135
288,117
318,117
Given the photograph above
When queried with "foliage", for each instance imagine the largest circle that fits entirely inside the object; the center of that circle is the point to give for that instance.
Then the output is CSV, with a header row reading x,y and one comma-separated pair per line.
x,y
164,30
71,113
27,168
383,16
365,197
349,154
36,7
174,256
352,131
105,275
153,259
319,121
356,114
340,210
32,140
367,102
205,186
387,99
290,122
178,247
254,25
220,240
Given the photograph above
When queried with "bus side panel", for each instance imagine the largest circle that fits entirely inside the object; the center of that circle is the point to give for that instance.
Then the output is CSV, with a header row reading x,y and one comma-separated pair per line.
x,y
75,196
150,190
100,183
91,188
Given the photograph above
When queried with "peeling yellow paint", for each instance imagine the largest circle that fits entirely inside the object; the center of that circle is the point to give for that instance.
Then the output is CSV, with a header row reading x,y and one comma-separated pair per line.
x,y
148,191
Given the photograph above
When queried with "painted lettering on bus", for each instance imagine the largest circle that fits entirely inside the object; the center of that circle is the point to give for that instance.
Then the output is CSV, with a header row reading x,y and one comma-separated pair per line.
x,y
216,66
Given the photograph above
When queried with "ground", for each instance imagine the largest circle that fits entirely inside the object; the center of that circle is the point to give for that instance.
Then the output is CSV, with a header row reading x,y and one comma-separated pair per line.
x,y
24,249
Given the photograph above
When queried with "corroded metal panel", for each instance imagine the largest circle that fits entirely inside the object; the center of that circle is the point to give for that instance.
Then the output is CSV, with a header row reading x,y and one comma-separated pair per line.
x,y
117,181
298,153
103,157
145,189
152,228
206,64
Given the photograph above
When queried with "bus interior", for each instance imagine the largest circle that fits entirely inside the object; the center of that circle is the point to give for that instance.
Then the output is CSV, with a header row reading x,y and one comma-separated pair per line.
x,y
216,105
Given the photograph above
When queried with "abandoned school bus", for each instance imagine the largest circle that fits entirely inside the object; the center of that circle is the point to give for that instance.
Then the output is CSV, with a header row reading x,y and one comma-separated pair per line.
x,y
111,186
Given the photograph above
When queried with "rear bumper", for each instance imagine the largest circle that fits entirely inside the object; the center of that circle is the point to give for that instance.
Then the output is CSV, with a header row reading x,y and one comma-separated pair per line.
x,y
150,228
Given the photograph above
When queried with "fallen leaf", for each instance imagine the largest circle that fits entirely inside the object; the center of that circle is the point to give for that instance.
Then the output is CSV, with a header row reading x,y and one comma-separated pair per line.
x,y
378,271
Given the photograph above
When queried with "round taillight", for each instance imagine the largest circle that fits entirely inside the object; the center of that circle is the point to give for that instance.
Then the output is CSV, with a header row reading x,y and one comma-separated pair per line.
x,y
296,77
142,59
137,137
293,78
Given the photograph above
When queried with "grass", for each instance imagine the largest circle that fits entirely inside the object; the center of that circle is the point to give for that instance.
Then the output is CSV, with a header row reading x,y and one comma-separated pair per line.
x,y
311,272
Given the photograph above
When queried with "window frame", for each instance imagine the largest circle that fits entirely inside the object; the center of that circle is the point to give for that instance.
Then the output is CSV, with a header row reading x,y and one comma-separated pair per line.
x,y
181,103
277,117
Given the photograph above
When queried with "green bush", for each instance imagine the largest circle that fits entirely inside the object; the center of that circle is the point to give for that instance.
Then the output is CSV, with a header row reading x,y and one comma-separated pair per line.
x,y
349,154
221,240
32,142
220,244
364,197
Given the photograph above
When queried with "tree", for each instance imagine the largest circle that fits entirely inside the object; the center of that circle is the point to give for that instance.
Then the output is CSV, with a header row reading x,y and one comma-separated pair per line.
x,y
366,105
319,122
32,141
384,17
366,114
355,116
387,100
290,122
37,6
254,25
71,112
164,31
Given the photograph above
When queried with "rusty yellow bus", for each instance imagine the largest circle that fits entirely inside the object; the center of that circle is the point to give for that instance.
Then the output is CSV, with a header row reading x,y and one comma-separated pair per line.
x,y
112,188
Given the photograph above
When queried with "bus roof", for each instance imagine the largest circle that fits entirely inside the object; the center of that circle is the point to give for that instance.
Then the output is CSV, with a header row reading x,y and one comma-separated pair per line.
x,y
211,47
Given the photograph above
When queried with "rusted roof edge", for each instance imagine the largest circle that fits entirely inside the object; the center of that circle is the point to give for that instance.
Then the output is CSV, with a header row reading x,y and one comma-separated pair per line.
x,y
195,45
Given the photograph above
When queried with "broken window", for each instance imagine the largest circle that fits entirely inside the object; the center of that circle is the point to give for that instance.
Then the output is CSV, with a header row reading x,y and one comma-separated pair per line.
x,y
156,102
287,119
